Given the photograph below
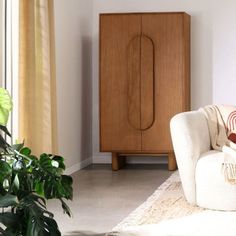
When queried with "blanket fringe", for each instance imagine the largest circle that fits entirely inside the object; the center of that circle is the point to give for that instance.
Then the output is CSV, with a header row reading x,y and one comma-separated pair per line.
x,y
229,172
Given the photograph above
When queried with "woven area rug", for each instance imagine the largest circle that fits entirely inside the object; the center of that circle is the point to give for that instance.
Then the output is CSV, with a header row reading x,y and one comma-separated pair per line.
x,y
166,213
167,202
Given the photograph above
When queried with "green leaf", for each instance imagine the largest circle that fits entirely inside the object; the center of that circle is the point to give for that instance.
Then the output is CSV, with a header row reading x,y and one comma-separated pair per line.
x,y
4,129
66,179
33,158
3,232
8,200
50,187
12,231
45,161
42,226
25,181
32,198
5,170
17,146
60,160
31,181
58,187
25,151
40,222
67,182
5,167
3,143
9,219
65,208
39,188
43,157
16,183
3,191
5,106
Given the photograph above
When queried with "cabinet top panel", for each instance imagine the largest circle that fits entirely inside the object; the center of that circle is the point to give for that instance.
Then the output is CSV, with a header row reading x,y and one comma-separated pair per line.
x,y
142,13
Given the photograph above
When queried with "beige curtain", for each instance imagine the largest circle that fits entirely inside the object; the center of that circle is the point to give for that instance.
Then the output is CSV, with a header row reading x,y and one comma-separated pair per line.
x,y
37,85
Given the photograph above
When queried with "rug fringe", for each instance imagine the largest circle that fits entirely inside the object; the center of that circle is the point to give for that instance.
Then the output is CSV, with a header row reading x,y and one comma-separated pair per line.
x,y
136,215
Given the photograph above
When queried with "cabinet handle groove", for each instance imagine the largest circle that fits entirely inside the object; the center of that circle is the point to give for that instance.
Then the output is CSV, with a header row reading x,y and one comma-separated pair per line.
x,y
141,82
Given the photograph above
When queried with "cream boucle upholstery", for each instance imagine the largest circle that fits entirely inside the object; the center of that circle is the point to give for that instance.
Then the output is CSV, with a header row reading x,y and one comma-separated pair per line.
x,y
199,167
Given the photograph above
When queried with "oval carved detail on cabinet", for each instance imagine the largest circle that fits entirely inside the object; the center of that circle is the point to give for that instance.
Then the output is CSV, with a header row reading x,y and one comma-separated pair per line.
x,y
141,82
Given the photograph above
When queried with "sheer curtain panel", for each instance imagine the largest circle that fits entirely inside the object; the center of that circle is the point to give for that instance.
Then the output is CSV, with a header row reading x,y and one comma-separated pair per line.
x,y
37,81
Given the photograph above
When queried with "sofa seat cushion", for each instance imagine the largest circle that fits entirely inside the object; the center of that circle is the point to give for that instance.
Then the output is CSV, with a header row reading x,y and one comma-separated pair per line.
x,y
212,191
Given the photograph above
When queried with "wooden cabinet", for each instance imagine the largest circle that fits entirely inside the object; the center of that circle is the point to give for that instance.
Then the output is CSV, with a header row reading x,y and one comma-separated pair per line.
x,y
144,81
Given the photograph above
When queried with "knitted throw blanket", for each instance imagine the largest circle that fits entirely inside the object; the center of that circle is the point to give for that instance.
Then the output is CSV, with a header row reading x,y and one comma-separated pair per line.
x,y
222,128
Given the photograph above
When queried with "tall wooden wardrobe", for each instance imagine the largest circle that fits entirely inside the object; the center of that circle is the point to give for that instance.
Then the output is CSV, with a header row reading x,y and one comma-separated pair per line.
x,y
144,81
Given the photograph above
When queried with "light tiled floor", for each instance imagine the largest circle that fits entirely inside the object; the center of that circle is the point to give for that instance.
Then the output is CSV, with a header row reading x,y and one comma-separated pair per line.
x,y
102,197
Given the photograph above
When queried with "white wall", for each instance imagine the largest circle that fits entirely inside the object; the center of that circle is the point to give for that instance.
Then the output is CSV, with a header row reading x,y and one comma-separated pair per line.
x,y
201,50
213,63
73,31
224,52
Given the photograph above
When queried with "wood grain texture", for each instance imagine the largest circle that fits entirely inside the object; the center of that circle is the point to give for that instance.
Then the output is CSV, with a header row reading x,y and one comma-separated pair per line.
x,y
134,91
167,33
117,161
116,31
186,80
147,83
172,164
141,101
143,83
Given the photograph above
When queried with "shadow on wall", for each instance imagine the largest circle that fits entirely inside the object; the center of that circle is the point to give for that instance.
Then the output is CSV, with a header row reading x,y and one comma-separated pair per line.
x,y
201,60
84,233
86,112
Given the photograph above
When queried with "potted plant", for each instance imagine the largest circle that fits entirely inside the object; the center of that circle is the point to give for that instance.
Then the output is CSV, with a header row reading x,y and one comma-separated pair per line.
x,y
26,183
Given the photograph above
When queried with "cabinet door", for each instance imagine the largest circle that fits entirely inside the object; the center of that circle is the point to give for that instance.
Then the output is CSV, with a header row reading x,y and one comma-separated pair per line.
x,y
169,36
120,82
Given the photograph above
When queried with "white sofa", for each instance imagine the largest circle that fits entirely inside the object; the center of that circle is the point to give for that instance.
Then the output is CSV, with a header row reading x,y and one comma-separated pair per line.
x,y
199,166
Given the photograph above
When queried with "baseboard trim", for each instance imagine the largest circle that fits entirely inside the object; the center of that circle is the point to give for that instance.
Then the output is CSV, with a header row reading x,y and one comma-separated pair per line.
x,y
78,166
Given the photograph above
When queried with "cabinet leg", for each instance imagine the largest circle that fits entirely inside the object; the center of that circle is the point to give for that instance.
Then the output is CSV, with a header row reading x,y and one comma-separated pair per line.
x,y
117,161
172,165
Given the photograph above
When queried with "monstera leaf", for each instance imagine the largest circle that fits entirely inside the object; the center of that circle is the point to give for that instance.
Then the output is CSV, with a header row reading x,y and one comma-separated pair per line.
x,y
5,106
26,182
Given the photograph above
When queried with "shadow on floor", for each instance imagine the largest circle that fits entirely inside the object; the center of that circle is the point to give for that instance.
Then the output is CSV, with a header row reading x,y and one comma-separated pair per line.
x,y
84,233
128,167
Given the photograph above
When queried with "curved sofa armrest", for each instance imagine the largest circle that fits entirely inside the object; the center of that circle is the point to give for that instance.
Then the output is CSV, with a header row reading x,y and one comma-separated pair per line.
x,y
190,137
